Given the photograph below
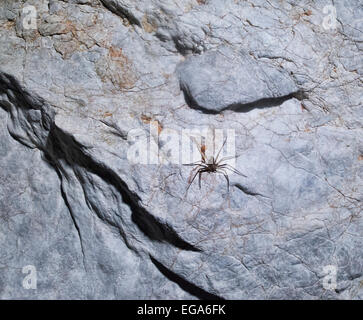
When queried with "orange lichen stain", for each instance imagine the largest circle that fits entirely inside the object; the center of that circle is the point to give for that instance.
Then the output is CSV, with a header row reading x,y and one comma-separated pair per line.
x,y
107,114
303,107
115,52
122,72
148,27
360,158
9,24
160,127
70,27
116,68
146,119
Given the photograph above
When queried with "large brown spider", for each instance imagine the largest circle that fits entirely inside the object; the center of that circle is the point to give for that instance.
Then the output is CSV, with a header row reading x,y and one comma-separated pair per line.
x,y
211,166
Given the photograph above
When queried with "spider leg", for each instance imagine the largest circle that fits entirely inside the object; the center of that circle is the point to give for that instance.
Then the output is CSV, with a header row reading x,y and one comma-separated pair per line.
x,y
191,164
193,179
236,171
205,169
197,163
225,175
226,158
201,166
192,171
229,167
197,166
225,140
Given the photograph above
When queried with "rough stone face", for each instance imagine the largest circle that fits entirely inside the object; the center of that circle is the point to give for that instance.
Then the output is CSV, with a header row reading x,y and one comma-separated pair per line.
x,y
247,84
281,74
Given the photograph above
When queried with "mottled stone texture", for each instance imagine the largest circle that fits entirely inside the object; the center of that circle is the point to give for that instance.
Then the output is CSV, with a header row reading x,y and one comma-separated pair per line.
x,y
282,74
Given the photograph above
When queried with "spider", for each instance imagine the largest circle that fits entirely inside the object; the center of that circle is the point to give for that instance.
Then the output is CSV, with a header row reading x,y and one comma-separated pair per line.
x,y
213,165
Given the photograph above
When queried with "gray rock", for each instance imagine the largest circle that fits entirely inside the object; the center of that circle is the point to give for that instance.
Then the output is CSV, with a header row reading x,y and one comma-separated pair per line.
x,y
95,78
223,79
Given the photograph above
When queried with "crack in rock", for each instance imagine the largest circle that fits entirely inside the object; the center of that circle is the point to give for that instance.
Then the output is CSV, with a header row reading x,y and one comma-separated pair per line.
x,y
121,10
184,284
59,145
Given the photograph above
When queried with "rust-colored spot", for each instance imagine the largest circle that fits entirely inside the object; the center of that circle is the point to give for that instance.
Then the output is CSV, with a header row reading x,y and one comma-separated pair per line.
x,y
70,27
202,149
303,107
360,157
160,127
107,114
307,129
115,52
145,119
308,12
147,25
117,68
9,24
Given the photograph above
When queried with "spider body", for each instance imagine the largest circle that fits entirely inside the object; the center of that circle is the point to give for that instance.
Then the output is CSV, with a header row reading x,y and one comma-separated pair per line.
x,y
213,165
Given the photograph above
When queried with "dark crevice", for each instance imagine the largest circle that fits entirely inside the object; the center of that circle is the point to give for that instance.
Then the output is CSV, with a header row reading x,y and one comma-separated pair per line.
x,y
184,284
58,145
243,107
22,97
122,12
190,101
63,146
63,175
263,103
17,95
66,202
24,101
248,191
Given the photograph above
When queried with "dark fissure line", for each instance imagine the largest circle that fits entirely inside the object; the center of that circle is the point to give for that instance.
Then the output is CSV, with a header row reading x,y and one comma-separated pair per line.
x,y
264,103
243,107
60,145
115,8
184,284
248,191
64,146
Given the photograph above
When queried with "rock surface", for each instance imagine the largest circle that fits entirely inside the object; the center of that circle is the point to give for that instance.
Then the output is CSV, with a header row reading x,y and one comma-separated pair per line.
x,y
286,76
246,85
